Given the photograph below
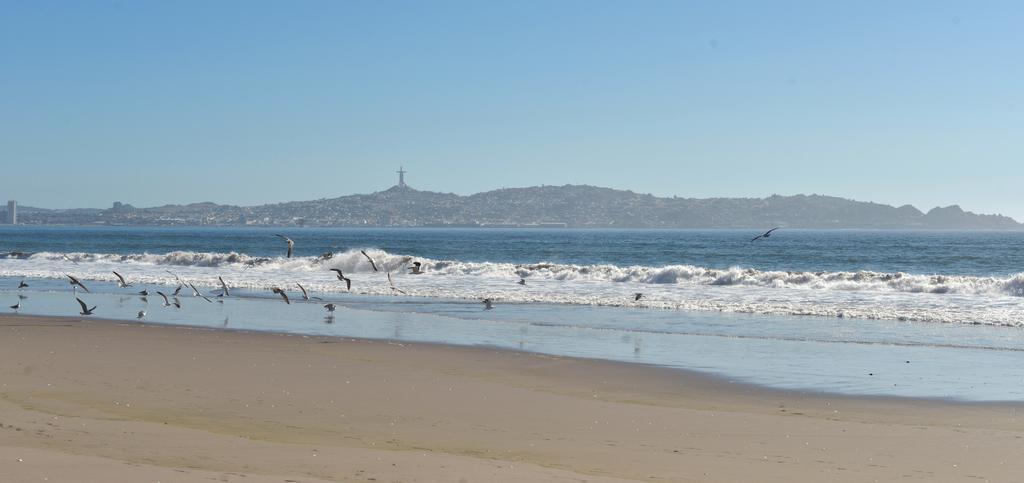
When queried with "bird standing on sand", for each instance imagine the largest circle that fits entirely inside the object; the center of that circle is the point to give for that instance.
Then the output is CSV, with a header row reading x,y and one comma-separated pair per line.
x,y
765,234
289,242
282,294
22,285
488,305
74,281
330,307
372,264
637,296
343,278
85,309
121,282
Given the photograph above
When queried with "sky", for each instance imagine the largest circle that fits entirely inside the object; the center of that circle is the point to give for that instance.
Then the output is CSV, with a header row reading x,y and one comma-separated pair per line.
x,y
250,102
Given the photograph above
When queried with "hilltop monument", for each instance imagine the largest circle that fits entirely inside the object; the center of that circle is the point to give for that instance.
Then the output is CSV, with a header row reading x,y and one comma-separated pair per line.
x,y
401,177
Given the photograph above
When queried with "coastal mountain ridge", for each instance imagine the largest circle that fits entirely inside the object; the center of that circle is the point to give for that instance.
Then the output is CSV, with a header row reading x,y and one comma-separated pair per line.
x,y
574,206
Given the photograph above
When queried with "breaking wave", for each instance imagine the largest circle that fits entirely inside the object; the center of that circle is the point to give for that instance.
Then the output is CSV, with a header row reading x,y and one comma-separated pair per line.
x,y
857,294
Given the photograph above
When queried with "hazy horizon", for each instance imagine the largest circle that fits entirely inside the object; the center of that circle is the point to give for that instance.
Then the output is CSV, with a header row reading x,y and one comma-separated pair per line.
x,y
187,202
247,103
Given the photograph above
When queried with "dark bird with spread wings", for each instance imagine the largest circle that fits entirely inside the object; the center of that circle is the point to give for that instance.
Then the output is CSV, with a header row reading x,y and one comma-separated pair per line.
x,y
765,234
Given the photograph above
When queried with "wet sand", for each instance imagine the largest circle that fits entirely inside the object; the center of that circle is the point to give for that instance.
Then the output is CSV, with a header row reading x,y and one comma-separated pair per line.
x,y
94,400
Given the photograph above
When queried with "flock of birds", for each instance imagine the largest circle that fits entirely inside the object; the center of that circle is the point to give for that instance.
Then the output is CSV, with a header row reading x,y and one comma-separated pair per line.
x,y
416,268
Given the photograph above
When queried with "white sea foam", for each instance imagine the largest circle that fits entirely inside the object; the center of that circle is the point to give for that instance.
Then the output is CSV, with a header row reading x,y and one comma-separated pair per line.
x,y
863,294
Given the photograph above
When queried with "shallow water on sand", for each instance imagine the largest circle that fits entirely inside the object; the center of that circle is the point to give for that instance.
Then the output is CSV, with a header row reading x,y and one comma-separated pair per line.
x,y
863,357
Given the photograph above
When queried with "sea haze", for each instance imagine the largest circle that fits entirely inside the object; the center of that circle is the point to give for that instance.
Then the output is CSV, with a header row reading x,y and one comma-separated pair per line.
x,y
570,206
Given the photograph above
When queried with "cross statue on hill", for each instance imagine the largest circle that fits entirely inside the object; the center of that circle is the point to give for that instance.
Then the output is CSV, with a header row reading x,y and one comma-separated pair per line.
x,y
401,176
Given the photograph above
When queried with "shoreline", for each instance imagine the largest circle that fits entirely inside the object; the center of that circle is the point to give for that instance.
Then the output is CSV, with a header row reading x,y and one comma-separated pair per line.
x,y
712,381
114,400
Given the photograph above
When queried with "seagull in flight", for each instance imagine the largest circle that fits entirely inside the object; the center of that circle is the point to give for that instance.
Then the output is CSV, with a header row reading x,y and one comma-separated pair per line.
x,y
393,287
330,307
372,264
177,290
522,281
16,306
68,258
176,277
289,242
74,281
765,234
141,314
195,293
22,285
306,296
488,305
282,294
224,288
85,309
121,282
343,278
167,303
637,296
416,268
144,293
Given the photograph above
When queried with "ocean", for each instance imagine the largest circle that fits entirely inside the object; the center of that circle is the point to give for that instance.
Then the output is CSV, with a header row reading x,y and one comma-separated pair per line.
x,y
891,313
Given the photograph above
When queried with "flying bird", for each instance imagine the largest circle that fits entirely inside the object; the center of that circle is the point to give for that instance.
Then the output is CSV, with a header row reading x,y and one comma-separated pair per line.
x,y
176,277
765,234
16,306
74,281
167,303
488,305
177,290
330,307
416,268
68,258
289,242
372,264
141,314
144,293
305,296
85,309
522,281
282,294
224,288
22,284
121,282
343,278
393,287
195,293
637,296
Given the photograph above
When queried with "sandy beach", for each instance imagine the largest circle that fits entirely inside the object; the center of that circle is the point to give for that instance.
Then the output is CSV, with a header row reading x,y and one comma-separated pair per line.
x,y
94,400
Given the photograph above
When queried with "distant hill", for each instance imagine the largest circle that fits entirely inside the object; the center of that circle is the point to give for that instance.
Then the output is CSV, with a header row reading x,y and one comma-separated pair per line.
x,y
570,205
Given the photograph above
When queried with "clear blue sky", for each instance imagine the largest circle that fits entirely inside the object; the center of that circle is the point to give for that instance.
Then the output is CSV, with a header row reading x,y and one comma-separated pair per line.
x,y
249,102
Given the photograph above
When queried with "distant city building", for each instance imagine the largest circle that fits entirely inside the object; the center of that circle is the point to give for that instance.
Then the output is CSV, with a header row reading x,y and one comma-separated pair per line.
x,y
12,212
